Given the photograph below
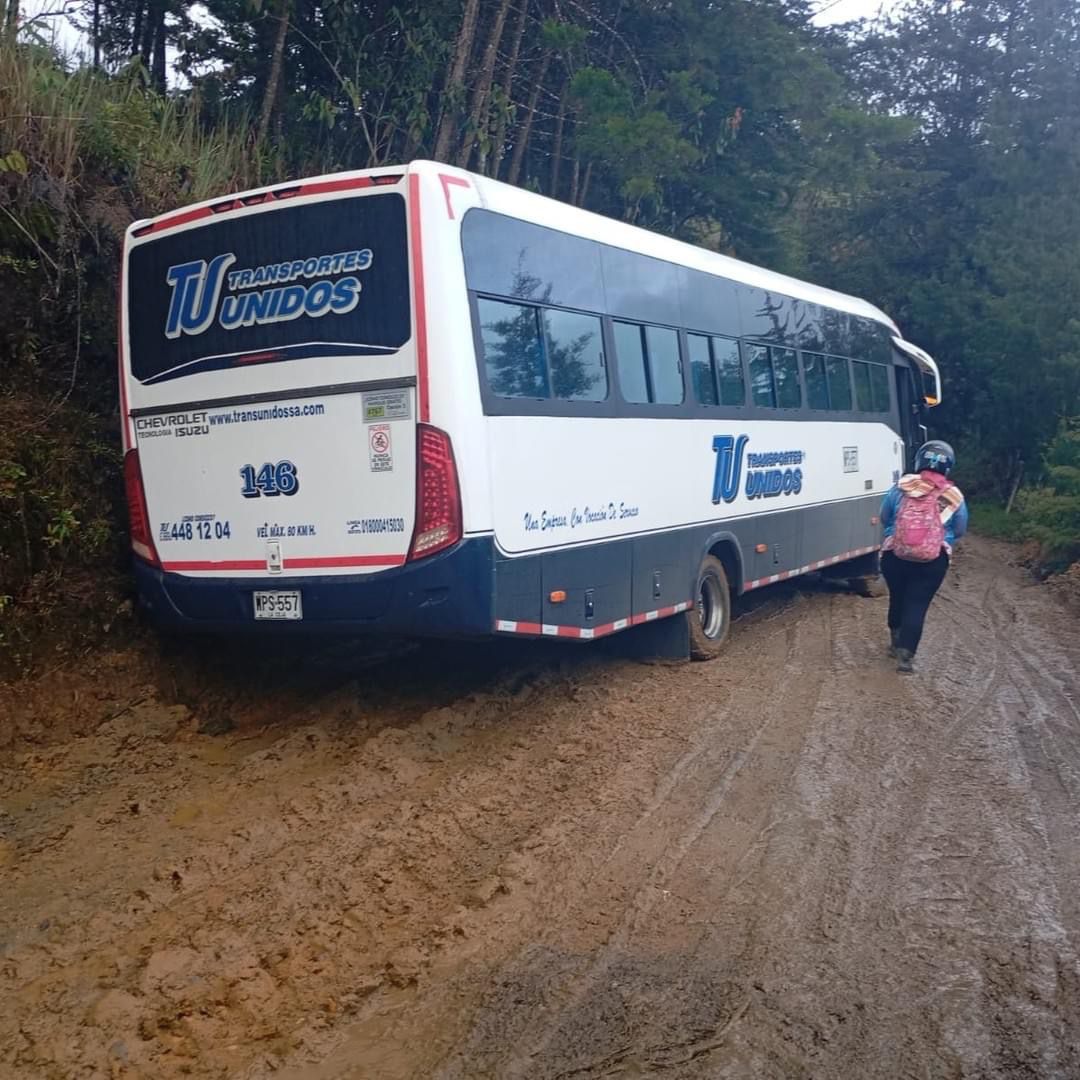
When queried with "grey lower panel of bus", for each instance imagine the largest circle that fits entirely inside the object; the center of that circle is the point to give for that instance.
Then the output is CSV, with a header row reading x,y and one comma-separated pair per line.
x,y
617,579
467,590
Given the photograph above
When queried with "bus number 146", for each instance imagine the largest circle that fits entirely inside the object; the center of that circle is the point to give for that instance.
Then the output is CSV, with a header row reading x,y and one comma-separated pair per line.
x,y
270,479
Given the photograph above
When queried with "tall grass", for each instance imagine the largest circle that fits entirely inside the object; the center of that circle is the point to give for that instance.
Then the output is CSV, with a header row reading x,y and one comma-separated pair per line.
x,y
82,154
85,127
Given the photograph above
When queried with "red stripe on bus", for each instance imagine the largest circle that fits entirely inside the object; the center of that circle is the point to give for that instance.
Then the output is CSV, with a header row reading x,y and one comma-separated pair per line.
x,y
210,564
258,357
177,219
289,564
335,185
128,437
415,243
448,182
324,188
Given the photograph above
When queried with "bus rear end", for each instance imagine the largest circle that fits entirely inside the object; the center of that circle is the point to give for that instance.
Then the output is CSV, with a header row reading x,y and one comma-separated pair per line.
x,y
276,471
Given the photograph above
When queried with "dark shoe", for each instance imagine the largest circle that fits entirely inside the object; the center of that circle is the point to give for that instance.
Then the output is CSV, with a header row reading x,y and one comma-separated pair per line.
x,y
894,643
905,661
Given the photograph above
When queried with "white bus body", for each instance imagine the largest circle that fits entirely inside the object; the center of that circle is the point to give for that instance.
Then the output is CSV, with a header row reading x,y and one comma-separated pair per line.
x,y
420,401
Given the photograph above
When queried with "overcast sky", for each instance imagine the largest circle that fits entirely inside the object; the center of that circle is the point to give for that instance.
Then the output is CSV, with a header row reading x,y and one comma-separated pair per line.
x,y
829,11
834,11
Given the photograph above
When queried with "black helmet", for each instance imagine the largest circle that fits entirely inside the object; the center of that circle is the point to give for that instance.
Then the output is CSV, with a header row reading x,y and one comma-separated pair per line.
x,y
935,456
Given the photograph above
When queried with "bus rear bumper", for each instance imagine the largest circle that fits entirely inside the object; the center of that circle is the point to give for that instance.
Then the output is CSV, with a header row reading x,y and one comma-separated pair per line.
x,y
446,595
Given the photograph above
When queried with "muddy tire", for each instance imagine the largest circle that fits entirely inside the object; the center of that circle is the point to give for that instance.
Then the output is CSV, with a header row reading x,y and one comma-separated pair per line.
x,y
709,620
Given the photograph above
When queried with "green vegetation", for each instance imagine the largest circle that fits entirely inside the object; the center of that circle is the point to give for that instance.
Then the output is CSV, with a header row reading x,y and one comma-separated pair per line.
x,y
929,163
1046,515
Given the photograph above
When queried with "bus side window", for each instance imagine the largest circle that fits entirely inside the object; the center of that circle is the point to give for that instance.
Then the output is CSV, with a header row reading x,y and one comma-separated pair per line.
x,y
729,373
513,351
817,388
716,370
701,370
665,370
879,388
649,367
761,377
872,387
839,377
785,364
575,349
630,353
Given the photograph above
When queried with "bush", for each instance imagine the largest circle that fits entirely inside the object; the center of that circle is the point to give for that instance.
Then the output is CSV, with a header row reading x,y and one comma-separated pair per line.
x,y
990,519
1047,516
82,154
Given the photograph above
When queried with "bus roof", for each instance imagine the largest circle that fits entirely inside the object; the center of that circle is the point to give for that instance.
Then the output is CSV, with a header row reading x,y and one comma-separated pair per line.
x,y
504,198
554,214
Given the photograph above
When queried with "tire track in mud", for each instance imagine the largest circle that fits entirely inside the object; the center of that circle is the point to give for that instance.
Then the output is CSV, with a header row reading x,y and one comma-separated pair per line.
x,y
686,804
1046,736
593,882
912,766
1019,979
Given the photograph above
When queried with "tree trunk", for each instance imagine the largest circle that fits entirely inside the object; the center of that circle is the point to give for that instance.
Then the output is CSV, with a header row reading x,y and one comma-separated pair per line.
x,y
575,180
1015,486
556,154
521,141
10,20
454,82
273,81
499,138
159,74
146,46
482,89
585,184
97,35
136,34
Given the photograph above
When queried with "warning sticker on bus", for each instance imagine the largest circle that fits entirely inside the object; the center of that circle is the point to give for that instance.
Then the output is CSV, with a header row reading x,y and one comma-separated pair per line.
x,y
382,458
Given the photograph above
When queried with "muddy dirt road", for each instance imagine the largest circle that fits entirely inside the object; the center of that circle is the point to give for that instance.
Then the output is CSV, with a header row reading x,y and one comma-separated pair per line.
x,y
531,862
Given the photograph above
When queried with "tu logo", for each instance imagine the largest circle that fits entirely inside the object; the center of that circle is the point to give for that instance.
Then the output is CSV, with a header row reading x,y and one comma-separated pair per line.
x,y
729,462
196,288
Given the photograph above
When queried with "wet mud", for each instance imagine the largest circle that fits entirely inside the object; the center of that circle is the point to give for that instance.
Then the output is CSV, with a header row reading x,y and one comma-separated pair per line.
x,y
541,861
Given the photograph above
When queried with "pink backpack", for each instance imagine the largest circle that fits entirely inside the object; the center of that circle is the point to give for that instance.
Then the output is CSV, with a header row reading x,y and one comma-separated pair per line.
x,y
920,533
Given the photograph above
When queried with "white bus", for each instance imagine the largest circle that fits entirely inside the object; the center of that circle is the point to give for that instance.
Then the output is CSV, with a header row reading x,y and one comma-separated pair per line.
x,y
418,401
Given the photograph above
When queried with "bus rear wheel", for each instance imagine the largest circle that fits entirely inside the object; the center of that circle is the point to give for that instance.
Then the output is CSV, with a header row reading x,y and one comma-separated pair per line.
x,y
709,620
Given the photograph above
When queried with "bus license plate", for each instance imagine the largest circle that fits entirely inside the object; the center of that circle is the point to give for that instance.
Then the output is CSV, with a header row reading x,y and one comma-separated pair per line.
x,y
278,605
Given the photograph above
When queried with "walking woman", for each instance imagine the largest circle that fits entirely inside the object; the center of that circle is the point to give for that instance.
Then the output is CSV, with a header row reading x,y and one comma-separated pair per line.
x,y
923,516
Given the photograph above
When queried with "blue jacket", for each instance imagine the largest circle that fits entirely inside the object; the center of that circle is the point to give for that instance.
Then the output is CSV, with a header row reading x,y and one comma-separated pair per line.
x,y
955,527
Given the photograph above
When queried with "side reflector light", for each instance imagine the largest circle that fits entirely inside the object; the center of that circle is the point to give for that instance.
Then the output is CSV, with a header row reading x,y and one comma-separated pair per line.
x,y
142,541
438,498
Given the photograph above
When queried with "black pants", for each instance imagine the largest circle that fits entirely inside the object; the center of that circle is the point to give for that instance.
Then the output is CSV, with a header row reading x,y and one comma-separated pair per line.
x,y
912,586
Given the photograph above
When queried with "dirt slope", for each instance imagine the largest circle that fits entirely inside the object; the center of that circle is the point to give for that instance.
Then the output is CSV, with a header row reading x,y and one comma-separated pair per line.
x,y
540,862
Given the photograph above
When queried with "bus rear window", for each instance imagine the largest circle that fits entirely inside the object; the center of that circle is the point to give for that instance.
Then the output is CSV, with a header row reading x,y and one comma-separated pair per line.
x,y
329,278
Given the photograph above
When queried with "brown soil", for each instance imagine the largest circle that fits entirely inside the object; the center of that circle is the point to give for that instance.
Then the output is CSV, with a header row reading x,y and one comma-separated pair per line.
x,y
550,862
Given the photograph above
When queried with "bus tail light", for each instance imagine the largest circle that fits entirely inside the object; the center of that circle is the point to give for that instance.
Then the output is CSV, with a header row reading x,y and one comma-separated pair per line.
x,y
438,498
142,540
